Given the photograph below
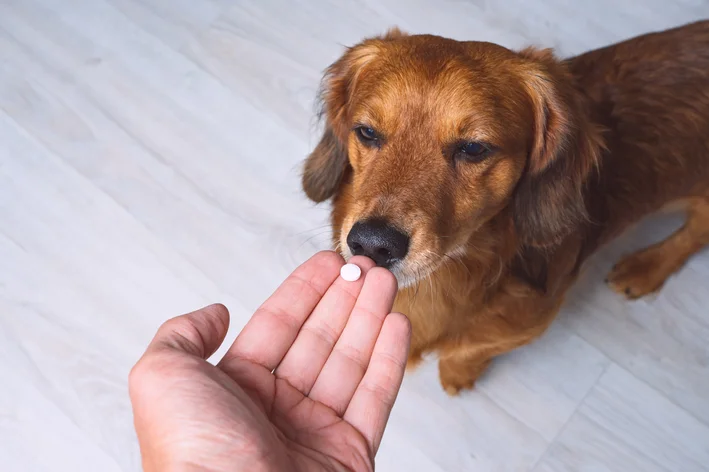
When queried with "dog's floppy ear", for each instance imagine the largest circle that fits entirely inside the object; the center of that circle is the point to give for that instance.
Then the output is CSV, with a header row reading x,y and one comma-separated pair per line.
x,y
326,166
549,203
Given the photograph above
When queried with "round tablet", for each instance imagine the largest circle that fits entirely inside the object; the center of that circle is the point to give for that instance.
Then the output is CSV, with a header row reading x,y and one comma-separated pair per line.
x,y
350,272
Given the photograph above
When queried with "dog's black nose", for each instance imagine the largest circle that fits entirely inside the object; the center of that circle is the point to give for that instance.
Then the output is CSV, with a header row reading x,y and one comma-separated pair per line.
x,y
379,241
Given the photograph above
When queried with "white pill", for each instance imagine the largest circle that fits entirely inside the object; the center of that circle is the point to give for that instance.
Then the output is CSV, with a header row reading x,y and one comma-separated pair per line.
x,y
350,272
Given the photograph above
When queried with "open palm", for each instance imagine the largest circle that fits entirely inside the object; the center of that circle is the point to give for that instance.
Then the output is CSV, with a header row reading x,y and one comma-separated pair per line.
x,y
307,385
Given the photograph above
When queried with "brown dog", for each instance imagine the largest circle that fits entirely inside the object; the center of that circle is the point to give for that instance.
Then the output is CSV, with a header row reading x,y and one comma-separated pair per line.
x,y
483,178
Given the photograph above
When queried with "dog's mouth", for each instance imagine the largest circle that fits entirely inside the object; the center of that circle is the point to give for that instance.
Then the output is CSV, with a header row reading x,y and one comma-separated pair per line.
x,y
422,265
418,269
411,258
409,271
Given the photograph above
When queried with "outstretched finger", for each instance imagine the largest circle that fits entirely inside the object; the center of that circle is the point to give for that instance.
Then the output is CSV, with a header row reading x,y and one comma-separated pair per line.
x,y
306,357
374,398
348,361
271,331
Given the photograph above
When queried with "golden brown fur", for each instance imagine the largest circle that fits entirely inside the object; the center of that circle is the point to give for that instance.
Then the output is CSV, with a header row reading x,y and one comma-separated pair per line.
x,y
579,150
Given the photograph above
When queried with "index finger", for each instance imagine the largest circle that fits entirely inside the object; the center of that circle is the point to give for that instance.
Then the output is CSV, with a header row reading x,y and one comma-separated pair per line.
x,y
273,328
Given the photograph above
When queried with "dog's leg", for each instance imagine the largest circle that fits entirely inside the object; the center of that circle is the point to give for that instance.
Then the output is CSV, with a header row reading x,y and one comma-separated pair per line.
x,y
516,315
464,361
645,271
460,371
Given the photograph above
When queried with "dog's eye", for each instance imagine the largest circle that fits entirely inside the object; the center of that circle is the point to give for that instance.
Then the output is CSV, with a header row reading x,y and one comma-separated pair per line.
x,y
472,151
367,136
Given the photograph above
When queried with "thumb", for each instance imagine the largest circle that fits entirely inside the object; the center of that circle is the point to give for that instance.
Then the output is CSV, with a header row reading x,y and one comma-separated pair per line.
x,y
199,333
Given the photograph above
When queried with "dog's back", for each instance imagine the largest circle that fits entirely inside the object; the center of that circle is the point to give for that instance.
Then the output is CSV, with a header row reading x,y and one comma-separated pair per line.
x,y
651,93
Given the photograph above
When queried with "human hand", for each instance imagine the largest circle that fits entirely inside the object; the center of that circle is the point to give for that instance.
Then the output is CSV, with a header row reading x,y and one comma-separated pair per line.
x,y
337,356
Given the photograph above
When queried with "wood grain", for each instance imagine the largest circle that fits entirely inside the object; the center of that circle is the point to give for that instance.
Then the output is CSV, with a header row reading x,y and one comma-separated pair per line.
x,y
149,159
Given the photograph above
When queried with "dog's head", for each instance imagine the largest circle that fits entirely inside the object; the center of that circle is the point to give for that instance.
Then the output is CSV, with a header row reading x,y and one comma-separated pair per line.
x,y
428,140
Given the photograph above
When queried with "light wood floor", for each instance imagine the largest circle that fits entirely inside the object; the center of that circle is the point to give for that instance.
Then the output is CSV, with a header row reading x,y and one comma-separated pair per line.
x,y
149,154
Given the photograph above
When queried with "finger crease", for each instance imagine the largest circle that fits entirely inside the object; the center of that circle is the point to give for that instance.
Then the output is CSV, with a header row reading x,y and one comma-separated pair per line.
x,y
282,316
186,342
379,392
361,311
347,290
309,284
353,355
325,333
389,359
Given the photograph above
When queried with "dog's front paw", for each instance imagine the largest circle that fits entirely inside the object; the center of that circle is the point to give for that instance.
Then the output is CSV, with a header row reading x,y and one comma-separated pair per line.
x,y
456,376
453,386
639,274
414,361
